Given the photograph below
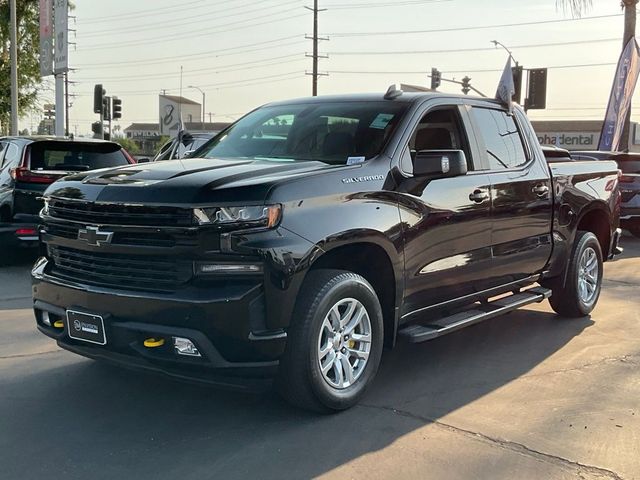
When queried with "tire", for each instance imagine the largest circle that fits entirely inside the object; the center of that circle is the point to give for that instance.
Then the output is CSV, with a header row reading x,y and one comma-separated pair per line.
x,y
327,298
581,290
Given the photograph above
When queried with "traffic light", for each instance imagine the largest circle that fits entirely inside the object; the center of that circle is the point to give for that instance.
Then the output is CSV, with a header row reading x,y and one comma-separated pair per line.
x,y
517,82
537,92
436,78
116,108
96,127
106,108
98,98
466,85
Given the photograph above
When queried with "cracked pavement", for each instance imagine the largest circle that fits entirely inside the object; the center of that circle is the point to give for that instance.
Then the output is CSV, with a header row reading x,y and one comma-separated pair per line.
x,y
527,396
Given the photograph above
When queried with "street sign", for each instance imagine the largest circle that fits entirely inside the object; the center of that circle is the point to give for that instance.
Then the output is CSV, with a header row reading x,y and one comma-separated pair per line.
x,y
61,32
537,92
46,37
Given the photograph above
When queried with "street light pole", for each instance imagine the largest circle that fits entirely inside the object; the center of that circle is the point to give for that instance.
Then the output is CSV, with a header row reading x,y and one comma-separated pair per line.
x,y
14,66
203,100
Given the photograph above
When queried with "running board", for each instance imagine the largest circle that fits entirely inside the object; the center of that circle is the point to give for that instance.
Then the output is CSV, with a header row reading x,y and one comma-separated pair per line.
x,y
484,311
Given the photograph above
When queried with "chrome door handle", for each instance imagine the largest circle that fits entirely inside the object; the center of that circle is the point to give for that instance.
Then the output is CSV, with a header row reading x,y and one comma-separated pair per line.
x,y
479,195
540,190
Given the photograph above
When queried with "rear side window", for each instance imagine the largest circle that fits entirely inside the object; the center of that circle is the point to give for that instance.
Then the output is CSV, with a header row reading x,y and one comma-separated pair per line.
x,y
75,156
501,137
11,156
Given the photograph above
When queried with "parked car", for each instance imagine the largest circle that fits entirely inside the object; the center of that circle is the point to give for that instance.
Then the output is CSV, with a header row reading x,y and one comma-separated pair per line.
x,y
173,149
629,164
28,165
316,231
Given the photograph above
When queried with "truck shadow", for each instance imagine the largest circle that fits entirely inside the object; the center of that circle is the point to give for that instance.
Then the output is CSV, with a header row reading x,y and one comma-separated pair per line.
x,y
120,424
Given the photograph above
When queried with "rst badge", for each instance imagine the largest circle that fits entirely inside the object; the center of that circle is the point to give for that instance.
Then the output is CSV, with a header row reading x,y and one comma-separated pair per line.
x,y
94,236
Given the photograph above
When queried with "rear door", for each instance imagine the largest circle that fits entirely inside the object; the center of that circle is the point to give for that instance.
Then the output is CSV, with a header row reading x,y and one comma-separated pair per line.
x,y
446,221
521,195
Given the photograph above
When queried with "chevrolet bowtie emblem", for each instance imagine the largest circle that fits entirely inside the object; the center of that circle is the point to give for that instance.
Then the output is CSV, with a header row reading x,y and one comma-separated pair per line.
x,y
93,236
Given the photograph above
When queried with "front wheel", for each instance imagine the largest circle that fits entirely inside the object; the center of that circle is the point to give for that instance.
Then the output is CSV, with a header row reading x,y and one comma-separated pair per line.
x,y
579,294
334,342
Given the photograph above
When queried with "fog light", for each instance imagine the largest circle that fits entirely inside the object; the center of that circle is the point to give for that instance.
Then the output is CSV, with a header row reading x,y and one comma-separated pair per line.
x,y
184,346
243,268
45,319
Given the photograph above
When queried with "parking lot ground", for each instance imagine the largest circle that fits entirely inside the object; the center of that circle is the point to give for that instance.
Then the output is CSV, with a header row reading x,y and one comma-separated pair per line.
x,y
529,396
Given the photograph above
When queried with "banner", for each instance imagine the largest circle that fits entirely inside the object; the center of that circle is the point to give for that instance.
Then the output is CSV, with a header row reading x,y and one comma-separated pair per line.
x,y
624,84
506,87
61,31
46,37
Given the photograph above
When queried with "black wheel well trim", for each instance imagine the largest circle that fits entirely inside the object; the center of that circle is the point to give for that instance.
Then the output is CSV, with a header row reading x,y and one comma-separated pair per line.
x,y
598,207
332,248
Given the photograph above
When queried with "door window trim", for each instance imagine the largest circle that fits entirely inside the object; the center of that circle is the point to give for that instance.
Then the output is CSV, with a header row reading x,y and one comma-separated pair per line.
x,y
483,146
466,130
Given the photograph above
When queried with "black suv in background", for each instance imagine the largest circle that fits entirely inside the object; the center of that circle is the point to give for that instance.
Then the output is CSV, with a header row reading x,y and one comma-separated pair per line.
x,y
28,165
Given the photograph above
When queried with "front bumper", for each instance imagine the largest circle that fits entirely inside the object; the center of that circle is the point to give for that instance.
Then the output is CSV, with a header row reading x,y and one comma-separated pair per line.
x,y
225,322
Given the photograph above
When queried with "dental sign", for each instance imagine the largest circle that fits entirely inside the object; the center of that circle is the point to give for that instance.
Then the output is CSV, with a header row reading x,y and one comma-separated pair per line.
x,y
61,36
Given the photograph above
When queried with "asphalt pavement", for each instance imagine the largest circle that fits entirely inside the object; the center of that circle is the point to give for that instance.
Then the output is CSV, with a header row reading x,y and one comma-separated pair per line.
x,y
526,396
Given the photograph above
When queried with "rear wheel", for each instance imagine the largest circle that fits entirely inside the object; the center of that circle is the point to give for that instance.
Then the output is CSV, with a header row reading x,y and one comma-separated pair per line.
x,y
334,343
581,290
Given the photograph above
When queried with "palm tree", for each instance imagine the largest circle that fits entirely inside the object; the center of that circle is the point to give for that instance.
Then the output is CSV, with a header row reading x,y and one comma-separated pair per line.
x,y
578,7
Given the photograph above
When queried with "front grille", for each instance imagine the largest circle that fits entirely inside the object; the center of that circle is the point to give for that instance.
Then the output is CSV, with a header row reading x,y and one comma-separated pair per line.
x,y
133,238
117,270
117,214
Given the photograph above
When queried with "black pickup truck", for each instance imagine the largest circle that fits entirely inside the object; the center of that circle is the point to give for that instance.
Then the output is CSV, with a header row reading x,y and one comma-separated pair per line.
x,y
312,233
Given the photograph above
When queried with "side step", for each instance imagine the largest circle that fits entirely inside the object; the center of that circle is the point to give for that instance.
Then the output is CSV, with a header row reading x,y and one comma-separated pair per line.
x,y
421,333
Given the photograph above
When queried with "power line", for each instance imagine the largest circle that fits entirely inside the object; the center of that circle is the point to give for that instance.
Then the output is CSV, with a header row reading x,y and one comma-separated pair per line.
x,y
492,70
478,49
199,19
156,12
476,27
197,33
268,62
228,52
337,6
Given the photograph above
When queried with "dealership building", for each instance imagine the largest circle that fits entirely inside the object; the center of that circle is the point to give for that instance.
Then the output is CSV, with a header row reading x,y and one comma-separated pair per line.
x,y
577,134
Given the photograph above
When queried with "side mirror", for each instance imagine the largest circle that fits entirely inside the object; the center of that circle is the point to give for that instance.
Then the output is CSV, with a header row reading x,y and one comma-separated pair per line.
x,y
439,163
188,153
143,160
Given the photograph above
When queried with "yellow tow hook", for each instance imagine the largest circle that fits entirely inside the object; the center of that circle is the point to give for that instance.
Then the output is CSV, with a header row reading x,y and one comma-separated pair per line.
x,y
153,342
58,324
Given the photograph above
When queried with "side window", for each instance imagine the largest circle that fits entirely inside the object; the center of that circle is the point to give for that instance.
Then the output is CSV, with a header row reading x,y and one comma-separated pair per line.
x,y
501,138
11,156
3,148
439,129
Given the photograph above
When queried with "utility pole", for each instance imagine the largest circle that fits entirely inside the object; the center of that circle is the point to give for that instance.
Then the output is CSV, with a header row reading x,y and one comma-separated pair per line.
x,y
14,67
315,55
66,103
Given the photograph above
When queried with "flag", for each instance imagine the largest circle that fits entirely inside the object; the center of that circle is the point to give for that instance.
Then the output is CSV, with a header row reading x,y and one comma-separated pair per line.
x,y
506,87
624,83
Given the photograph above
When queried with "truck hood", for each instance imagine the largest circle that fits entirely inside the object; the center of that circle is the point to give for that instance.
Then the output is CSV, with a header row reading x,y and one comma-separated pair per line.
x,y
192,181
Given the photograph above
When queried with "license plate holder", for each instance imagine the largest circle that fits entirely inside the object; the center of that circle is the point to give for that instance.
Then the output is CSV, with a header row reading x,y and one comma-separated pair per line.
x,y
87,327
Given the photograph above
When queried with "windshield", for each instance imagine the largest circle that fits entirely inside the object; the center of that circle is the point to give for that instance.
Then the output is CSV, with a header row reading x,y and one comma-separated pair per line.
x,y
333,132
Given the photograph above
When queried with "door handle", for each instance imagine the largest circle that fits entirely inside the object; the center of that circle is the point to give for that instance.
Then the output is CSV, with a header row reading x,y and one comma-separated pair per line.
x,y
479,195
540,190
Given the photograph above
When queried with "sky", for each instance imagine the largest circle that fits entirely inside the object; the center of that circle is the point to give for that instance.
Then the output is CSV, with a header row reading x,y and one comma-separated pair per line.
x,y
244,53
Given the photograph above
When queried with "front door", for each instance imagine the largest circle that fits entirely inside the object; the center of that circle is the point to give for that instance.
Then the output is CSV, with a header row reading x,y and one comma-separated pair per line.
x,y
446,221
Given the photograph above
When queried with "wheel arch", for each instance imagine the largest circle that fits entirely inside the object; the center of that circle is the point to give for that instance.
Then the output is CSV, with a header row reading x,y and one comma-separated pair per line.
x,y
597,220
373,259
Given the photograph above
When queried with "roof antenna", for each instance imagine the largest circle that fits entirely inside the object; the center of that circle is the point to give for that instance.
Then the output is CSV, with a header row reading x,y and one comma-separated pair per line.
x,y
393,92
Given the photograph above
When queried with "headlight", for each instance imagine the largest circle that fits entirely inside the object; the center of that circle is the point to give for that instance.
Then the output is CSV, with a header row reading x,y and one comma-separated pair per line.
x,y
260,216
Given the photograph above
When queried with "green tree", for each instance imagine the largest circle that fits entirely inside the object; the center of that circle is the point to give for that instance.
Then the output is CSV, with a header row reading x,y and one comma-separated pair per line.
x,y
27,12
128,144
